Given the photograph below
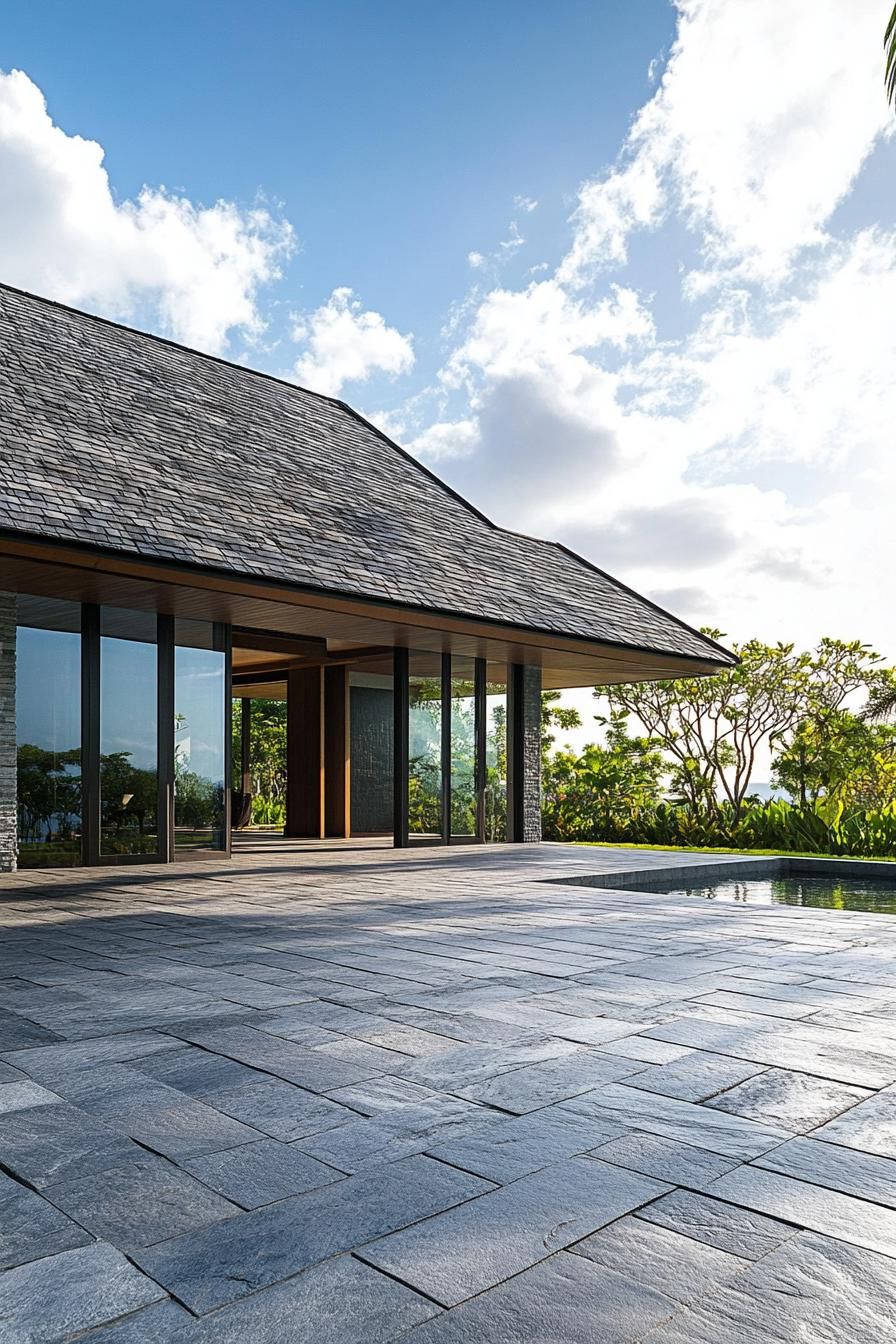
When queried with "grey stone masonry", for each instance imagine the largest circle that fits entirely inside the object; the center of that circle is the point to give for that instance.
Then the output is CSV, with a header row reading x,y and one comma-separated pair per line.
x,y
7,732
531,754
524,754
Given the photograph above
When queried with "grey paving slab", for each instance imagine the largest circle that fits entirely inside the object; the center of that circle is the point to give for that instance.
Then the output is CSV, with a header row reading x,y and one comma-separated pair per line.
x,y
564,1300
859,1067
159,1324
471,1064
794,1101
457,1254
380,1094
31,1227
667,1159
398,1133
340,1302
520,1145
56,1298
16,1033
737,1230
157,1116
224,1262
848,1170
666,1261
435,974
536,1085
284,1059
700,1074
870,1126
18,1096
715,1130
46,1144
281,1110
754,1003
646,1050
260,1173
812,1289
142,1202
198,1072
810,1206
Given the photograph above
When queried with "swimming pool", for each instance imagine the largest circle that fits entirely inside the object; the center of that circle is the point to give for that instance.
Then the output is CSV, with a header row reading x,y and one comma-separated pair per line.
x,y
820,893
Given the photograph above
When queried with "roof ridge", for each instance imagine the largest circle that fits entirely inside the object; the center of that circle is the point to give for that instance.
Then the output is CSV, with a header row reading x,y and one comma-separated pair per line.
x,y
564,583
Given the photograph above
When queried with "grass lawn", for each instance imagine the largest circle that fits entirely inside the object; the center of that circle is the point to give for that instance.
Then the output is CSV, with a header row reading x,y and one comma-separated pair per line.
x,y
706,849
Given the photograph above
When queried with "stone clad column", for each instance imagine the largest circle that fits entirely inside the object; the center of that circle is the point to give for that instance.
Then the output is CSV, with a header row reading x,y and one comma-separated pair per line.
x,y
8,843
524,754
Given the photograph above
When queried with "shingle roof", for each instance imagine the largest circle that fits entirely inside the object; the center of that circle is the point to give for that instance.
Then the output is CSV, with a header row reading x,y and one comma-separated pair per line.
x,y
129,442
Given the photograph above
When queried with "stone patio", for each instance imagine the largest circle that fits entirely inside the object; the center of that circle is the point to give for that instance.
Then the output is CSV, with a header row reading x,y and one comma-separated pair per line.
x,y
354,1094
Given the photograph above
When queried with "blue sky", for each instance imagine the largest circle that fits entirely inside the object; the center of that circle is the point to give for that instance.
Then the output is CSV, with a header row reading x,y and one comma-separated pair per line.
x,y
394,137
623,273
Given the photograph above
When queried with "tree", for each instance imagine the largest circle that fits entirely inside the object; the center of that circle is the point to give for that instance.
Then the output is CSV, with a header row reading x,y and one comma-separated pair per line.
x,y
267,757
890,51
713,727
599,793
845,762
554,715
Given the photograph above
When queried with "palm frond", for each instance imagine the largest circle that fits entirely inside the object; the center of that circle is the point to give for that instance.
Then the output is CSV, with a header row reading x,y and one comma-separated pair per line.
x,y
881,705
890,67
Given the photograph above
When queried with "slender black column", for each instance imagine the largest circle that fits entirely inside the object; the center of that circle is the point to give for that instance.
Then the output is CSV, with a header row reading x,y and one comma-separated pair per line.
x,y
445,720
479,703
400,748
165,822
90,734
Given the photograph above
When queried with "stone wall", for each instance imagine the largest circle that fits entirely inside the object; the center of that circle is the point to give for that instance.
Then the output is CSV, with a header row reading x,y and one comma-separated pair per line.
x,y
524,755
531,706
7,732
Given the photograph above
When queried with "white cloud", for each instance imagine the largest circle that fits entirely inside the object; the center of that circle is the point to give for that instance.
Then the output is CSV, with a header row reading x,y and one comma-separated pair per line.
x,y
762,120
525,204
346,344
197,269
739,470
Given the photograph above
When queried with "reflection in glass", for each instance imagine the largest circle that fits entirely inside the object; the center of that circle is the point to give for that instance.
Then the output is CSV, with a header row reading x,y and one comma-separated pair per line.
x,y
48,732
495,752
199,737
128,733
463,747
425,746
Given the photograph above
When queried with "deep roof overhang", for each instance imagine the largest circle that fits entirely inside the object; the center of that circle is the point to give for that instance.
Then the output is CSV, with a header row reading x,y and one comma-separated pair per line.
x,y
345,621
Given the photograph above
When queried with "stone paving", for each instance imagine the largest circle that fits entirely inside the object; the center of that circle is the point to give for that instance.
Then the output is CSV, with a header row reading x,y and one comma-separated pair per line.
x,y
351,1095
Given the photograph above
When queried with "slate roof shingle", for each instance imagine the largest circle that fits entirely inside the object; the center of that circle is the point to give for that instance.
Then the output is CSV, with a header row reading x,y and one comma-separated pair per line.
x,y
125,441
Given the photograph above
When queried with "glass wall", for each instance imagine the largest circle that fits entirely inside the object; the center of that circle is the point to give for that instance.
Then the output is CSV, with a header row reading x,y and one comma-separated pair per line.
x,y
456,749
48,732
129,760
200,687
425,746
464,771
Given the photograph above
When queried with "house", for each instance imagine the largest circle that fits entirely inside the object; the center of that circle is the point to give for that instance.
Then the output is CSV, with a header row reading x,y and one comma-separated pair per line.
x,y
177,532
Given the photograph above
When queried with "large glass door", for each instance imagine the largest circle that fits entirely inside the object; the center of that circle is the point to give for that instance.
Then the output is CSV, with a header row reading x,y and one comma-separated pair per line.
x,y
48,732
451,737
425,749
200,737
128,734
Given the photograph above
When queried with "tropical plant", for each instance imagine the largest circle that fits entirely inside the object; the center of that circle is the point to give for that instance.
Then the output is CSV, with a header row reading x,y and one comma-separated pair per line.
x,y
890,58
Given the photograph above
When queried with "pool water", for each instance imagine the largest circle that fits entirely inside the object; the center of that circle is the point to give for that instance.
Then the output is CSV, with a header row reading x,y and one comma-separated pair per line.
x,y
818,893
